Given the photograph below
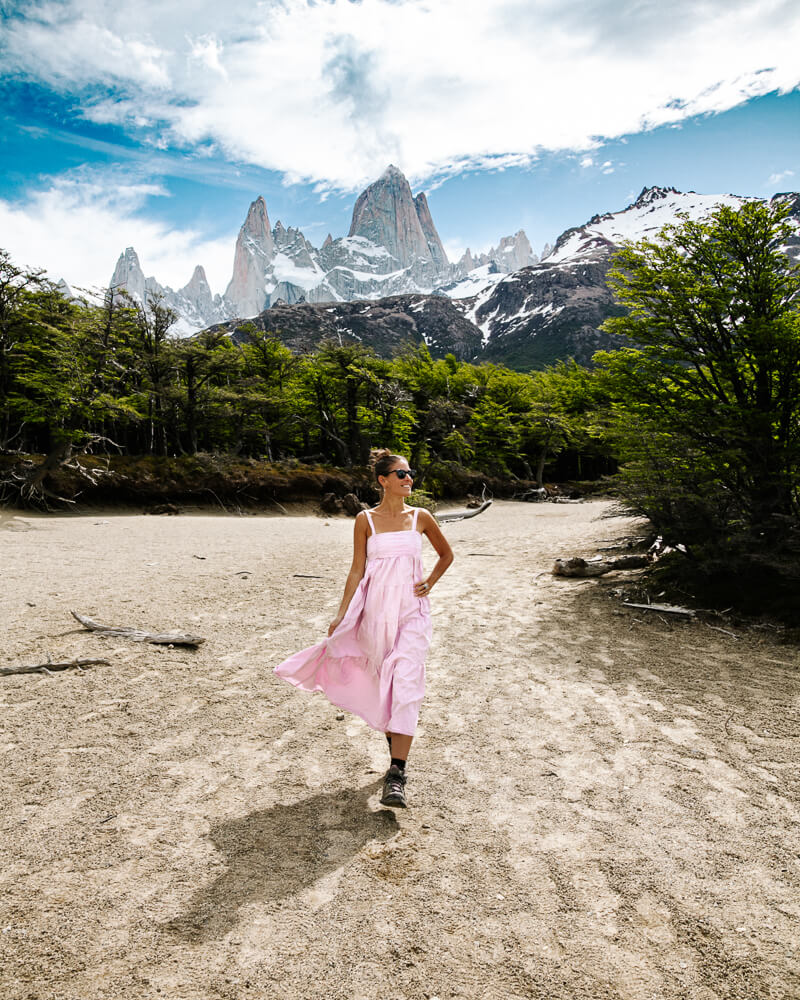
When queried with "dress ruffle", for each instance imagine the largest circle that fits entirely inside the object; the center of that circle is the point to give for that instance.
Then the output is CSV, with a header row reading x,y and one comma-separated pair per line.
x,y
374,663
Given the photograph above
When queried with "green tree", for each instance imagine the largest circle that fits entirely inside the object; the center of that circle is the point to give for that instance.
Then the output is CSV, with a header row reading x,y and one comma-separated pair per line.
x,y
707,402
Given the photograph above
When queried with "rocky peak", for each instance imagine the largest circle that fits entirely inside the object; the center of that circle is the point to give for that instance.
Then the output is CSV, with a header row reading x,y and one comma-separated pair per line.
x,y
198,283
129,276
514,252
327,242
650,194
198,291
435,247
255,249
386,214
256,226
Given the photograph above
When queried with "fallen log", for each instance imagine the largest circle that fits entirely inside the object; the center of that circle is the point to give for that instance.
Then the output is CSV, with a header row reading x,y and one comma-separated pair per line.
x,y
461,515
49,667
581,567
138,635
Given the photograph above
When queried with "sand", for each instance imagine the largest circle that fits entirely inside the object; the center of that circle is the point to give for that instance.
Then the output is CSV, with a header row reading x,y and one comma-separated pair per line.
x,y
602,804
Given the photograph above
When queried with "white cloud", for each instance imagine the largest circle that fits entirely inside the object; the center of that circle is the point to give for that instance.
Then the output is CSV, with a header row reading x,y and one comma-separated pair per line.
x,y
587,162
87,220
776,179
331,92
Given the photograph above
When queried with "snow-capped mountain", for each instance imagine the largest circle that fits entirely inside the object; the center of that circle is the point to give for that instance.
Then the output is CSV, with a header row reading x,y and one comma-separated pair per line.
x,y
553,309
655,208
526,319
392,248
196,307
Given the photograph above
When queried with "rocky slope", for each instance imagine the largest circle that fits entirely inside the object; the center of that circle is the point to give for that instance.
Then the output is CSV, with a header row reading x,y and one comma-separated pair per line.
x,y
387,325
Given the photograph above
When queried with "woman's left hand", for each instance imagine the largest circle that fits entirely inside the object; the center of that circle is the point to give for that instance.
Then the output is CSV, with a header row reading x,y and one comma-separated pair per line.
x,y
422,589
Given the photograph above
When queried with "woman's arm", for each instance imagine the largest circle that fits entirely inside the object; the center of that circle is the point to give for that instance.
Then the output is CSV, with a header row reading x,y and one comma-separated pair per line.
x,y
357,567
430,527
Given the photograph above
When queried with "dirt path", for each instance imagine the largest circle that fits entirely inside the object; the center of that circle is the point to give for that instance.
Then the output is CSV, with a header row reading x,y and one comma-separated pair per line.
x,y
602,806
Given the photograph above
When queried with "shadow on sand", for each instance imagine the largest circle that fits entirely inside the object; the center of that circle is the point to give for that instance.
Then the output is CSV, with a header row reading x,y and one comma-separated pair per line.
x,y
278,852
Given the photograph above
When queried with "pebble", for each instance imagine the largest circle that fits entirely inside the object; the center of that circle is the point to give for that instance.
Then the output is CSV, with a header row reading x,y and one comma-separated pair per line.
x,y
340,716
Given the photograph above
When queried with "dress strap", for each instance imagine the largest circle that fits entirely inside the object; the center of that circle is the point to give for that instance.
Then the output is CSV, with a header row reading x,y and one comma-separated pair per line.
x,y
369,518
414,519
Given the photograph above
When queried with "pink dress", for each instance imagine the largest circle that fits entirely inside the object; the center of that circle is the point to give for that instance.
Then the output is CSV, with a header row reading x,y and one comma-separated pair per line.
x,y
374,663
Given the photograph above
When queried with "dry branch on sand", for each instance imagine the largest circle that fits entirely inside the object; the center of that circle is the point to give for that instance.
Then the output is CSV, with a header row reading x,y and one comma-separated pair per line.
x,y
666,609
138,635
50,667
460,515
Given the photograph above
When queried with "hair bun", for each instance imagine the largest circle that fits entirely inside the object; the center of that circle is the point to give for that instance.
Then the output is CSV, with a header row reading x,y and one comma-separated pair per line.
x,y
381,461
376,454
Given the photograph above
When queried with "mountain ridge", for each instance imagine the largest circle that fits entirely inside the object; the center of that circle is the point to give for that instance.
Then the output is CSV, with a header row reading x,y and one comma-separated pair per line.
x,y
392,247
528,318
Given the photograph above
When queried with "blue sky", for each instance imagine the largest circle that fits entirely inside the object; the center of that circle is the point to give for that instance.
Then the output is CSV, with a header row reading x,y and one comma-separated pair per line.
x,y
157,130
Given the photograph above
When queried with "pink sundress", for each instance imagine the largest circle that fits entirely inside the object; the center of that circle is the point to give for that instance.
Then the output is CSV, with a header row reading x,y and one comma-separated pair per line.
x,y
374,663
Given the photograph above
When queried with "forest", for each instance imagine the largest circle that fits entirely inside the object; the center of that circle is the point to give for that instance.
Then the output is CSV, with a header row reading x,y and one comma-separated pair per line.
x,y
694,422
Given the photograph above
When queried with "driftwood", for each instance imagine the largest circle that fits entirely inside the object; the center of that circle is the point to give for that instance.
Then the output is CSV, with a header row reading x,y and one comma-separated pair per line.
x,y
137,635
50,667
598,567
666,609
460,515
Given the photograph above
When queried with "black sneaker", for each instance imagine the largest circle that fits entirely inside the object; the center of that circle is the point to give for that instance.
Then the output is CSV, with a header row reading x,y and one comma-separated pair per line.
x,y
394,792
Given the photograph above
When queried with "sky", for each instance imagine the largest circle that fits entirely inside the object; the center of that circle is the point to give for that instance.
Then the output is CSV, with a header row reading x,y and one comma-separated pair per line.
x,y
155,125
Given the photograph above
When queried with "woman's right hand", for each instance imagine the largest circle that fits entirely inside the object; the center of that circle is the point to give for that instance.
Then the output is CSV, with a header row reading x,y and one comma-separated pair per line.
x,y
335,624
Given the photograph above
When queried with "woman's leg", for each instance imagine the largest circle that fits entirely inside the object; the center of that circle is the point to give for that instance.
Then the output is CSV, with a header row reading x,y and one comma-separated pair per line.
x,y
400,745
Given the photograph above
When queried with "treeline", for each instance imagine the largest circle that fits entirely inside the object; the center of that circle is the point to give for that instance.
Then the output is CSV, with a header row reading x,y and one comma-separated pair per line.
x,y
112,374
700,405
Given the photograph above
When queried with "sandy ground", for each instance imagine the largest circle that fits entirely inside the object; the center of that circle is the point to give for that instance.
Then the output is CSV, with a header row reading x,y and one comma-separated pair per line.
x,y
602,805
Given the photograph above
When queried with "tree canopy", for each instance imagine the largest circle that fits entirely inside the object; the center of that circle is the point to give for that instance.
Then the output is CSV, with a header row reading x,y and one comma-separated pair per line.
x,y
705,391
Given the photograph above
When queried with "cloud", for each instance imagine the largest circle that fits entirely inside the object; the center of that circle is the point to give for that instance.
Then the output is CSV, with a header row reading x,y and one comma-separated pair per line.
x,y
776,179
331,92
88,218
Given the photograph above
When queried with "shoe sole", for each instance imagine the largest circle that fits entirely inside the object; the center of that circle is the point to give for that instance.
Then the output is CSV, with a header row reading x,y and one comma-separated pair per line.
x,y
394,803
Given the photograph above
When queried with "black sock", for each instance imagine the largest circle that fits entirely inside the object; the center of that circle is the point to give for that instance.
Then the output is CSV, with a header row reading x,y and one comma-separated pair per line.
x,y
400,763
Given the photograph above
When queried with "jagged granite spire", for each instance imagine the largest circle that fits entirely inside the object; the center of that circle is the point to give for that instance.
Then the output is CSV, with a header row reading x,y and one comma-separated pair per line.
x,y
129,276
435,247
198,292
255,249
386,214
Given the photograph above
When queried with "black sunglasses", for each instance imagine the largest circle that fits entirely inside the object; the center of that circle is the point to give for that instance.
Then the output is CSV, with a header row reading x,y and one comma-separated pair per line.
x,y
402,473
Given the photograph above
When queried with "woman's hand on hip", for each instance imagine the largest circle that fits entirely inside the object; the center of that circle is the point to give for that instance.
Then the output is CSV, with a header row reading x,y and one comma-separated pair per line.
x,y
422,589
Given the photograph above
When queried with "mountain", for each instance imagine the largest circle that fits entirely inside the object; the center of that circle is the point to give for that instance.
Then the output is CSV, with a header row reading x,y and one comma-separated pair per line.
x,y
392,248
196,307
389,278
553,309
529,318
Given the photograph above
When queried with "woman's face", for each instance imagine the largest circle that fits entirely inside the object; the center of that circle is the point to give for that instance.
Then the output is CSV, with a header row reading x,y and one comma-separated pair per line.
x,y
395,486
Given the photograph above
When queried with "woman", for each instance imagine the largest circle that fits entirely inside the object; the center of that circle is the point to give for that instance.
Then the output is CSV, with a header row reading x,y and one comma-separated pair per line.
x,y
373,661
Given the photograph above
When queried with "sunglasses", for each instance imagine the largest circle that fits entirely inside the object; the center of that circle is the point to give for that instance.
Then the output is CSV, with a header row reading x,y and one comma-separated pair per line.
x,y
402,473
